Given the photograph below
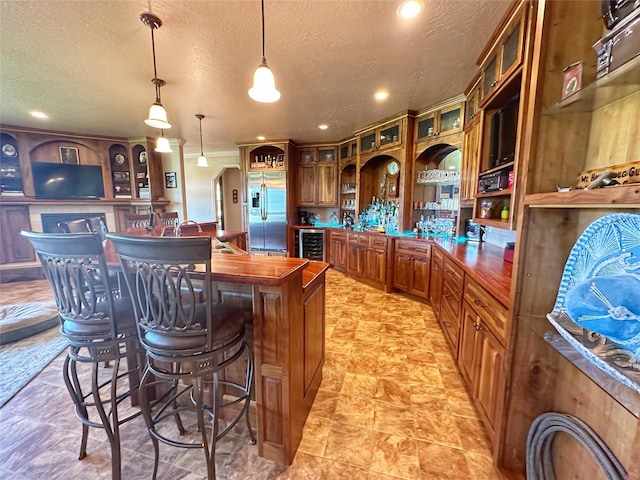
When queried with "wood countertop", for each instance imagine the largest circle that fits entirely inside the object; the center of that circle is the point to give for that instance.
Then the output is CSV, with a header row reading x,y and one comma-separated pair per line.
x,y
256,270
484,263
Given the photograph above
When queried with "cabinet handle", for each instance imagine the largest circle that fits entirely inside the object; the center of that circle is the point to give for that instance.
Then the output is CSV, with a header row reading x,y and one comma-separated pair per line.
x,y
477,326
479,303
495,82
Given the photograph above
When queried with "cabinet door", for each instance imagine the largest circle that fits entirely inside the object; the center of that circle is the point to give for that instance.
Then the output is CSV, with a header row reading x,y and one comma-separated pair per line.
x,y
15,248
327,184
450,120
435,288
376,265
426,126
342,255
334,252
489,358
307,184
489,76
354,260
420,278
450,326
390,136
368,142
470,161
467,344
402,272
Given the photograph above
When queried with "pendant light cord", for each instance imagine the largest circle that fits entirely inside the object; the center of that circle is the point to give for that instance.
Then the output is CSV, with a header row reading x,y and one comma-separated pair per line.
x,y
264,58
201,149
155,72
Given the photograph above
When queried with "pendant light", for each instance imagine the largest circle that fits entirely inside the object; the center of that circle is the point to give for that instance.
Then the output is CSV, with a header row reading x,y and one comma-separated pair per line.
x,y
162,144
157,113
264,85
202,160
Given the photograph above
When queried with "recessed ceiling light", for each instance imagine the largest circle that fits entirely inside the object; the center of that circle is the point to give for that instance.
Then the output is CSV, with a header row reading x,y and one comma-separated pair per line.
x,y
410,8
39,115
261,138
323,126
381,95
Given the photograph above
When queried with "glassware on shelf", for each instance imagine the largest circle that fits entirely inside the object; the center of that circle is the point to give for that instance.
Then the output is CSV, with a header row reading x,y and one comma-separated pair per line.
x,y
439,177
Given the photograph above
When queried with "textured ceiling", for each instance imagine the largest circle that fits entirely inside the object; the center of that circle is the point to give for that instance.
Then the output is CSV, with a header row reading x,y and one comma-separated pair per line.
x,y
88,64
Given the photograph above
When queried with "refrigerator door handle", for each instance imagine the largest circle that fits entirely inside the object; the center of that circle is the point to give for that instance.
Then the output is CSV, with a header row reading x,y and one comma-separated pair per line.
x,y
263,202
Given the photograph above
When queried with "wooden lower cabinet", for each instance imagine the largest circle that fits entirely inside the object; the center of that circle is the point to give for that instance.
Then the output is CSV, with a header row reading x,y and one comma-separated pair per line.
x,y
368,259
481,358
452,283
338,249
435,284
412,267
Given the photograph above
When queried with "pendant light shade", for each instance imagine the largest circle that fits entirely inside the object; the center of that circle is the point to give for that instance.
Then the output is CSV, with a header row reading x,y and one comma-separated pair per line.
x,y
162,144
202,160
157,113
264,84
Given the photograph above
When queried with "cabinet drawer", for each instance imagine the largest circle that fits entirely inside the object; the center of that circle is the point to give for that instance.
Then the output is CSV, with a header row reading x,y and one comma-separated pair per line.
x,y
352,237
438,257
452,298
334,235
450,326
363,240
413,248
379,243
492,312
453,275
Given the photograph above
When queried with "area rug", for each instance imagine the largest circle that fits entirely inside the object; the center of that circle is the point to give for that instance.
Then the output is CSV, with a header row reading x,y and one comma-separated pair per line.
x,y
21,361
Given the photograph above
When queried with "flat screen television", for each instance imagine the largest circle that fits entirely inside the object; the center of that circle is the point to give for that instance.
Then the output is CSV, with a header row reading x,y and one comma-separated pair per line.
x,y
65,181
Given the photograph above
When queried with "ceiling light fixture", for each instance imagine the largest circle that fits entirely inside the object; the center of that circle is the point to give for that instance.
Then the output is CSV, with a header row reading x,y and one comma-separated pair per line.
x,y
162,144
381,95
261,138
202,160
323,126
264,85
39,115
157,113
410,8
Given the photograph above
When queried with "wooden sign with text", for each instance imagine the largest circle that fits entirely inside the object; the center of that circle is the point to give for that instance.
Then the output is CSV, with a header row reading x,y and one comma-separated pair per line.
x,y
625,173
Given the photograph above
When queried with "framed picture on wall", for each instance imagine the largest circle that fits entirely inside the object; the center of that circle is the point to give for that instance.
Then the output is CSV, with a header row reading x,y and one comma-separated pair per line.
x,y
69,155
170,180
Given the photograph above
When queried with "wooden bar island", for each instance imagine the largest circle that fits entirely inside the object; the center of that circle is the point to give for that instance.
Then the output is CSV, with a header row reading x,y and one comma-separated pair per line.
x,y
284,303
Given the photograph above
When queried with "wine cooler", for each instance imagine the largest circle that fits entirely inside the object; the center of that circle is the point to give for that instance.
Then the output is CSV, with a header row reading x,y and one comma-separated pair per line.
x,y
311,244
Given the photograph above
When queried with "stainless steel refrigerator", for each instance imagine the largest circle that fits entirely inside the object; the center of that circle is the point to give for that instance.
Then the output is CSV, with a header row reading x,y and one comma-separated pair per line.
x,y
268,211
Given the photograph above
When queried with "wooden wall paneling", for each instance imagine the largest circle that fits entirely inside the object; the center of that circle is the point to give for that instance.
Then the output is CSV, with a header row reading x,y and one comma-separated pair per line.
x,y
534,363
313,330
539,272
14,248
601,412
615,134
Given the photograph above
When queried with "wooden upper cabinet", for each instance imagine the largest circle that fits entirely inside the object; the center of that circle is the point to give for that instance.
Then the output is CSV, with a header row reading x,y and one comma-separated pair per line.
x,y
348,151
440,122
318,177
470,162
505,56
385,136
472,105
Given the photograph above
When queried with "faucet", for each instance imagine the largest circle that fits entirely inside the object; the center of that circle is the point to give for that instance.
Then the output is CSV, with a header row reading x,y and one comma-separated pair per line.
x,y
187,222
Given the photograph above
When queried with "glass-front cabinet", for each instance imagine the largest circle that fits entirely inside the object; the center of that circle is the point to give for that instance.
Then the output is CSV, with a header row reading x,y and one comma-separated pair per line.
x,y
383,137
440,122
506,55
348,151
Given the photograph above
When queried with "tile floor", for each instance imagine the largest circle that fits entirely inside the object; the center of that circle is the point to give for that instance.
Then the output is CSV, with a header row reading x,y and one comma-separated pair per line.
x,y
392,405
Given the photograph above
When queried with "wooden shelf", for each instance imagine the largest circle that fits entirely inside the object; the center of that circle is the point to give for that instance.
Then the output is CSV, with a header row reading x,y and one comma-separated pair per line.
x,y
619,196
619,83
497,169
493,222
497,193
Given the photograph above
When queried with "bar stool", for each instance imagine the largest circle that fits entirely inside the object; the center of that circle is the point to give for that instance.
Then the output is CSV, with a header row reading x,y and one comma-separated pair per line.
x,y
188,339
98,328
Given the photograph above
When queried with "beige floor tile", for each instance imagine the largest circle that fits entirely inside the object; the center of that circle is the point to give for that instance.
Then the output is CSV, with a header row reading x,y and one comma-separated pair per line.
x,y
392,405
